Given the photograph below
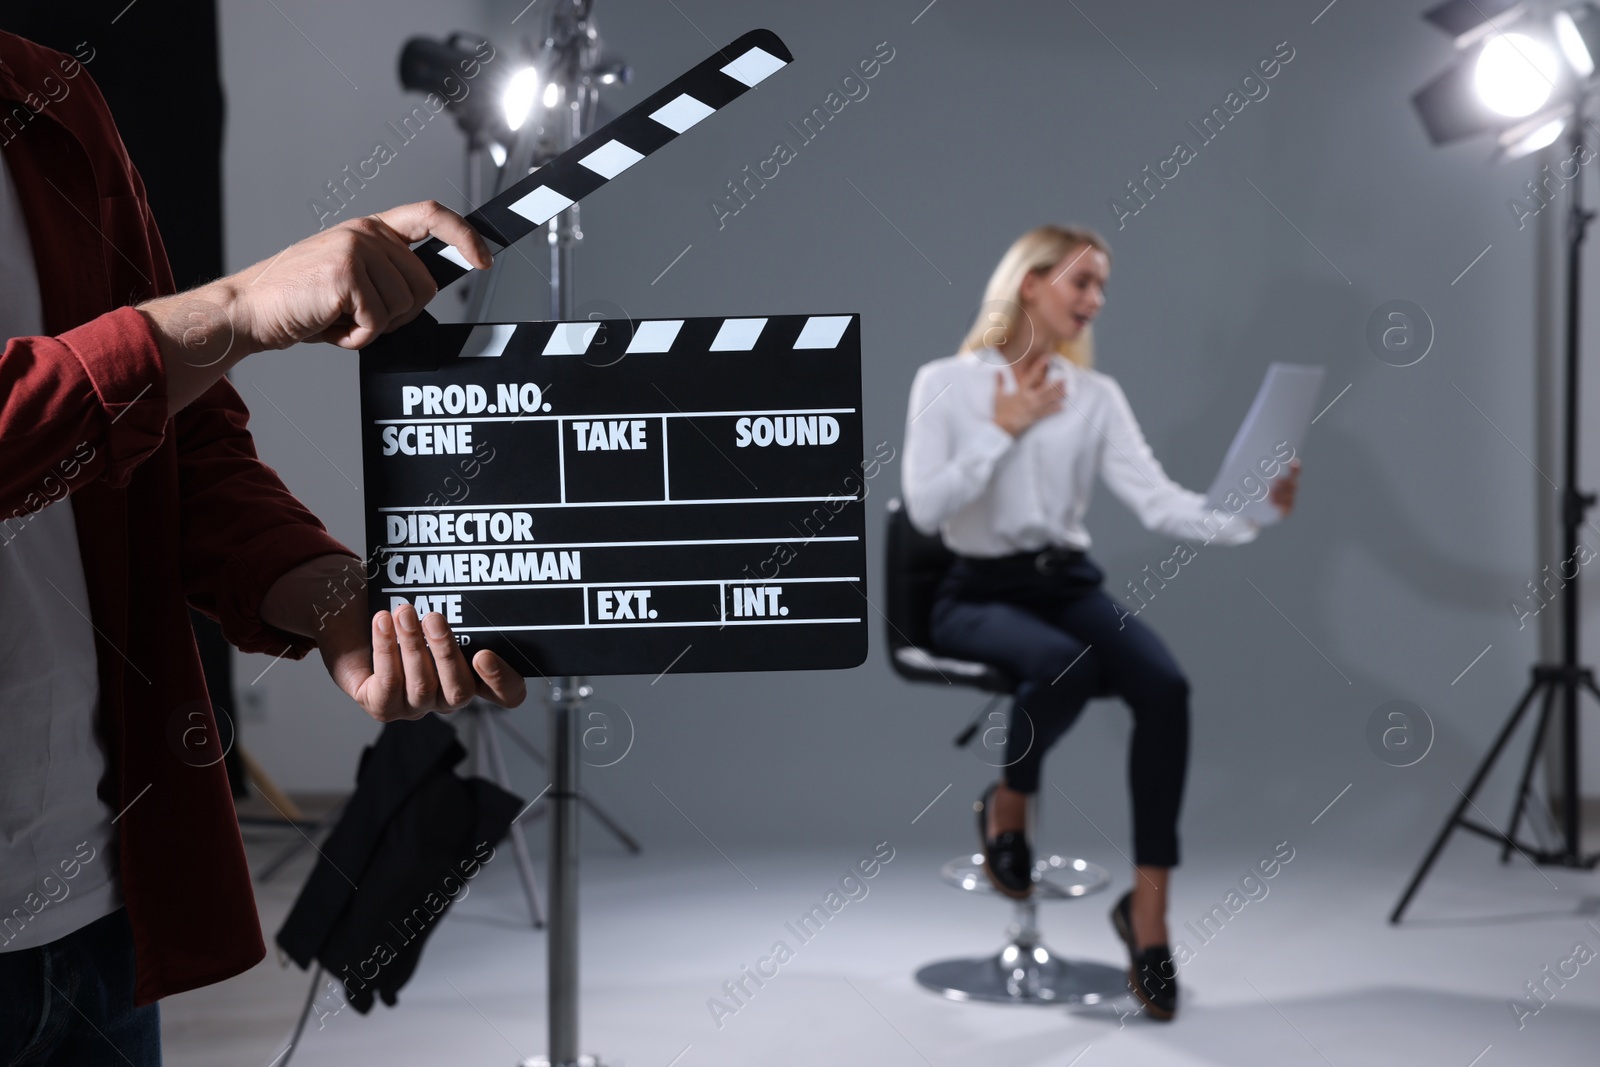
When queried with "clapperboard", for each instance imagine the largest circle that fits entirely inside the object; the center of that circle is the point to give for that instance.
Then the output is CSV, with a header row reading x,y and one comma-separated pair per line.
x,y
622,497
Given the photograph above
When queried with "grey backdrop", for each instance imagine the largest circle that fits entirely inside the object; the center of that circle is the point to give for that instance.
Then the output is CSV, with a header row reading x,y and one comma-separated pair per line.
x,y
1315,205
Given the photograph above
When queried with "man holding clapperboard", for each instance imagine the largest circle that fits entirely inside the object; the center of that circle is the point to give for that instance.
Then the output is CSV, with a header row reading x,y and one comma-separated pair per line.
x,y
129,490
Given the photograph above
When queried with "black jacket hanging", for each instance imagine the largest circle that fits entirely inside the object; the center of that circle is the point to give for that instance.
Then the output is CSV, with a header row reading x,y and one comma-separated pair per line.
x,y
410,840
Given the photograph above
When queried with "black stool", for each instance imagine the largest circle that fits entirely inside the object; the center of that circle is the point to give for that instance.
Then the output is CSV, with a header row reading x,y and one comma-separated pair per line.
x,y
1025,971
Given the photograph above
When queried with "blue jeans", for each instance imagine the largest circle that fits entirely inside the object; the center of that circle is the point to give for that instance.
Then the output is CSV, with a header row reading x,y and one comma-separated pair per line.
x,y
1065,641
70,1003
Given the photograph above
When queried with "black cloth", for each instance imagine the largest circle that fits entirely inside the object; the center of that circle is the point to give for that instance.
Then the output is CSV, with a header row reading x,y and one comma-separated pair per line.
x,y
157,66
1048,624
408,844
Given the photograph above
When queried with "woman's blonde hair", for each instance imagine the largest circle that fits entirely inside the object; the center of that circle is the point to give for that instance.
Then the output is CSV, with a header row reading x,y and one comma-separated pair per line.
x,y
1039,249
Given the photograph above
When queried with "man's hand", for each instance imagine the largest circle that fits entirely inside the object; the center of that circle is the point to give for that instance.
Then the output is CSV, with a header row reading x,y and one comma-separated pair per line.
x,y
396,666
346,285
414,666
353,282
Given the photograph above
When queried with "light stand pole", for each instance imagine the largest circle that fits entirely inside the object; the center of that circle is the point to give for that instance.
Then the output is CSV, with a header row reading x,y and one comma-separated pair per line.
x,y
1568,677
565,697
575,45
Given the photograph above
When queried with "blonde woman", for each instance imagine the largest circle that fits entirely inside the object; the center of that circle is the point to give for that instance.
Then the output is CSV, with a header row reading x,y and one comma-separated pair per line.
x,y
1003,443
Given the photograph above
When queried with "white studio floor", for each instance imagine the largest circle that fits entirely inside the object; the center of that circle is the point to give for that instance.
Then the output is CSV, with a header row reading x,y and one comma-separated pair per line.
x,y
1309,974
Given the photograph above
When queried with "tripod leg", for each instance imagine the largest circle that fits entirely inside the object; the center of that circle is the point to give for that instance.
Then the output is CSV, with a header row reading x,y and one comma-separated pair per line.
x,y
523,743
519,844
1588,683
327,822
300,1026
1466,798
971,729
610,824
1527,773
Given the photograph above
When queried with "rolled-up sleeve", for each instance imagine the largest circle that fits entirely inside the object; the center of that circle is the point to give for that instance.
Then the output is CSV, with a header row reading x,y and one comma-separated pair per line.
x,y
88,404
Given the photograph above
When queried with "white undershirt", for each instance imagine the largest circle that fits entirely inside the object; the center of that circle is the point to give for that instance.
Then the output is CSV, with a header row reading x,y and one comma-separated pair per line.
x,y
57,865
989,494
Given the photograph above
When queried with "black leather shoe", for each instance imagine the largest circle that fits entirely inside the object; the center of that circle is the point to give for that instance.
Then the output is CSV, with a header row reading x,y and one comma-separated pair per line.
x,y
1007,857
1152,976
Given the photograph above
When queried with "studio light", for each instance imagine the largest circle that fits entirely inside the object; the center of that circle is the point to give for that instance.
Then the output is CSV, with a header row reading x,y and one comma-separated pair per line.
x,y
1530,137
430,66
1526,79
490,90
1515,74
1572,44
1469,21
521,99
521,90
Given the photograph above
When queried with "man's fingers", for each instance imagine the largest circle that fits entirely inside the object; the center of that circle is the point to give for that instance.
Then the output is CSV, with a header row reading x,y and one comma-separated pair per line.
x,y
392,287
428,218
456,684
417,279
386,701
497,681
403,287
365,308
420,681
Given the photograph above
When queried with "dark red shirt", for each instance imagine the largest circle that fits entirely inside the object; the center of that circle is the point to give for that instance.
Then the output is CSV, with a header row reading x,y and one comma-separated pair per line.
x,y
170,513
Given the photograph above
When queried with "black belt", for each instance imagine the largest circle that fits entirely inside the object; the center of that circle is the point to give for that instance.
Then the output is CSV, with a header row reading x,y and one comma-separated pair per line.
x,y
1047,561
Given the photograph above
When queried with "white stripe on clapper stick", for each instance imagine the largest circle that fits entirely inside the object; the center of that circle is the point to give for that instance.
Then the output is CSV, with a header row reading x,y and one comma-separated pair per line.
x,y
534,201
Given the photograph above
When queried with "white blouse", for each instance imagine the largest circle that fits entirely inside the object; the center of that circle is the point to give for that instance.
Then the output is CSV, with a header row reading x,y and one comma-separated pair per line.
x,y
990,494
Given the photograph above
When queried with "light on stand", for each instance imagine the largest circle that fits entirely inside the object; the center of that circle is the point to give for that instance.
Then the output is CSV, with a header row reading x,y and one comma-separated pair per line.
x,y
1578,32
501,121
1515,74
1533,135
517,100
1573,45
1470,21
1527,93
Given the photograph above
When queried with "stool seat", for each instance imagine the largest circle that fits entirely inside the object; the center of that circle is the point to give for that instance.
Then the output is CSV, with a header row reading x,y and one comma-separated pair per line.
x,y
921,665
1054,877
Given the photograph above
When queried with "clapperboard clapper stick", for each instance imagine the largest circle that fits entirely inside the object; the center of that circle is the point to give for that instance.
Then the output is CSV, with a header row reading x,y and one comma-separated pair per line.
x,y
623,497
615,148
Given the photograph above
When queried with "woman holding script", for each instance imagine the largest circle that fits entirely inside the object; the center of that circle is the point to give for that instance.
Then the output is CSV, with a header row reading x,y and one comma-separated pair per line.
x,y
1003,441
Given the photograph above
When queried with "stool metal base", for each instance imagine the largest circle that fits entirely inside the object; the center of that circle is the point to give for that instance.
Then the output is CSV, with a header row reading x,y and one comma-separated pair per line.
x,y
1026,971
544,1061
1022,976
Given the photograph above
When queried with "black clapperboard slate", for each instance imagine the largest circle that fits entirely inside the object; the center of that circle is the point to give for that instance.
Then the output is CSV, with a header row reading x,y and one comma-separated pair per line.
x,y
622,497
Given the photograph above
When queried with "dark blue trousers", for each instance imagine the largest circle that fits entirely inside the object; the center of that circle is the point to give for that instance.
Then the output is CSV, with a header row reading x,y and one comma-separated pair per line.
x,y
70,1003
1065,641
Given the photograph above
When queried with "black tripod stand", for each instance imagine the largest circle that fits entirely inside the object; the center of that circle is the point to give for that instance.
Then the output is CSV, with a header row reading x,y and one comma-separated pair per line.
x,y
1568,677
